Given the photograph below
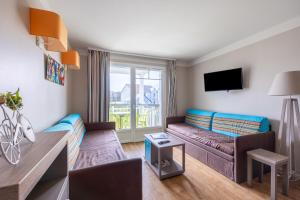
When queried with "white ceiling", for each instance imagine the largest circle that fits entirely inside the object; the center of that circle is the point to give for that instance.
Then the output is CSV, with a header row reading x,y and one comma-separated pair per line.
x,y
181,29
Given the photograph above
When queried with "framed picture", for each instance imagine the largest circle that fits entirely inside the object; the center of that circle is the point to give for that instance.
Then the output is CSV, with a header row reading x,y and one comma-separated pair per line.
x,y
55,72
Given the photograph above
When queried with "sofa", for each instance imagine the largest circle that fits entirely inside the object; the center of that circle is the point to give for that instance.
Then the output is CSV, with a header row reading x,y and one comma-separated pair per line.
x,y
98,166
221,140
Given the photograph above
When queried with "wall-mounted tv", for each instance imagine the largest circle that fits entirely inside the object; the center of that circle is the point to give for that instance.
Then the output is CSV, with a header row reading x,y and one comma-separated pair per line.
x,y
224,80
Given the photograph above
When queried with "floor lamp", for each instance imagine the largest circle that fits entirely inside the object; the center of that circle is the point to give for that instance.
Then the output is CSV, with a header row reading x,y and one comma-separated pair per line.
x,y
288,84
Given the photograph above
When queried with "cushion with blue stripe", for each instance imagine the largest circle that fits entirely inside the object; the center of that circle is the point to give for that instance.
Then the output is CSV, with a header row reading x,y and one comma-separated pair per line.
x,y
79,130
74,124
73,150
60,127
199,118
237,125
73,144
71,119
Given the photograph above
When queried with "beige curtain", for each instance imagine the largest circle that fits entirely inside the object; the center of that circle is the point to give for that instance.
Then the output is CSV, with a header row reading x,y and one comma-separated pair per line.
x,y
98,86
171,86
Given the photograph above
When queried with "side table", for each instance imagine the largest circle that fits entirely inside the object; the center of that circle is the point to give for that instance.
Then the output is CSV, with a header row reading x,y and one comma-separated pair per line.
x,y
275,161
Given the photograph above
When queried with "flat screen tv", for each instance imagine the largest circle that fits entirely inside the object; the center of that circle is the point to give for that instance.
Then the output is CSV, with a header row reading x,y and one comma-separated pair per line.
x,y
224,80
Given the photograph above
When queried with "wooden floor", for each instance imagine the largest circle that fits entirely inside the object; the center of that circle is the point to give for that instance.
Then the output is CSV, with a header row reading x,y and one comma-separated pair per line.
x,y
201,182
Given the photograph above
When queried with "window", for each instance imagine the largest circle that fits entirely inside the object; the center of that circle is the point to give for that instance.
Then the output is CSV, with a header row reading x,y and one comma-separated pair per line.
x,y
120,95
148,98
135,96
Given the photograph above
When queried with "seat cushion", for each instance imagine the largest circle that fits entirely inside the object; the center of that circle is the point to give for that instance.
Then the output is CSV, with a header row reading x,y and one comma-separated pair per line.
x,y
237,125
99,147
195,135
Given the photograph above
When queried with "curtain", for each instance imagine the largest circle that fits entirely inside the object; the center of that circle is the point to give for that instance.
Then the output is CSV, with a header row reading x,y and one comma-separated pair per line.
x,y
171,86
98,86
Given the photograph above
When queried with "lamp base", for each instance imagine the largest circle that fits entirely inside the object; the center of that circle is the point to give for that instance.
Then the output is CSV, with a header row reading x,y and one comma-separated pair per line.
x,y
290,111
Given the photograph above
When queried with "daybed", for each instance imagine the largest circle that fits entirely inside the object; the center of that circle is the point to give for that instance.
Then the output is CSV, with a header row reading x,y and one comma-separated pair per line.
x,y
98,167
221,140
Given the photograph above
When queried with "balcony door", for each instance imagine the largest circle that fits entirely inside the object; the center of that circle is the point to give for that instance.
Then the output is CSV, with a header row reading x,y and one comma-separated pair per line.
x,y
136,100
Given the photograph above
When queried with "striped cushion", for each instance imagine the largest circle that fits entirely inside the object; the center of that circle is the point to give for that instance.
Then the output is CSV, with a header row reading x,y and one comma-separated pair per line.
x,y
78,133
199,118
60,127
75,126
238,125
73,150
79,130
70,119
73,145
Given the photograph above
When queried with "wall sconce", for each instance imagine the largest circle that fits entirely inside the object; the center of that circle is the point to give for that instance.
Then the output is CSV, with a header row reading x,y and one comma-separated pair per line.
x,y
71,58
51,28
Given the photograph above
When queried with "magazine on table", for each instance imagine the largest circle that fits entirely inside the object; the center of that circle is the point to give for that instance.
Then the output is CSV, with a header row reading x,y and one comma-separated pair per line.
x,y
156,136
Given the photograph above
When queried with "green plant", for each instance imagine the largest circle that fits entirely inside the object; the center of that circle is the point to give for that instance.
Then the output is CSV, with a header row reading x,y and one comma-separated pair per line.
x,y
12,100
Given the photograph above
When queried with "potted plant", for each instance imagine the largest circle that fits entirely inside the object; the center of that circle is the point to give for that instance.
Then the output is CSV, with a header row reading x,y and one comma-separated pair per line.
x,y
12,100
13,129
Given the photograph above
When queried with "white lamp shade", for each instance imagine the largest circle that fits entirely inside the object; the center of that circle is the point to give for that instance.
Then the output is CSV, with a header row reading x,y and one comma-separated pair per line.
x,y
286,84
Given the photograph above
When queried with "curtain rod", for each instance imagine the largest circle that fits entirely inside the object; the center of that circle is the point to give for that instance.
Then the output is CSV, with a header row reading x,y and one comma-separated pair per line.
x,y
130,54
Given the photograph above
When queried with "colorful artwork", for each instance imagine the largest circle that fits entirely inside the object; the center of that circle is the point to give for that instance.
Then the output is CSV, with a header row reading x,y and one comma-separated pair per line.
x,y
55,71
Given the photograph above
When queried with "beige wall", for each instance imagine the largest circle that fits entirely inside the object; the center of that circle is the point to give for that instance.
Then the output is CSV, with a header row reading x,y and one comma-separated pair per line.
x,y
260,62
79,93
22,66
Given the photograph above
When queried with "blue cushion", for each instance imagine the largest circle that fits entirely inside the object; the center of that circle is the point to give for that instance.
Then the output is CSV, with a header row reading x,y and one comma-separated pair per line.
x,y
70,119
60,127
236,125
199,118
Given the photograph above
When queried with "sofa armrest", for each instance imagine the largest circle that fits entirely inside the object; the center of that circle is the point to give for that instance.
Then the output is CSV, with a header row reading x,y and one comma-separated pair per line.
x,y
246,143
117,180
174,120
100,126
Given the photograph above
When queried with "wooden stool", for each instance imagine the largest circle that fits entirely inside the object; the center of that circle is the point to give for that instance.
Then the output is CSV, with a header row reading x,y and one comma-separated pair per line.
x,y
275,161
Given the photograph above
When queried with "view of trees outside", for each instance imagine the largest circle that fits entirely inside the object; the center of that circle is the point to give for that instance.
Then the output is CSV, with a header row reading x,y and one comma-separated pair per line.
x,y
148,97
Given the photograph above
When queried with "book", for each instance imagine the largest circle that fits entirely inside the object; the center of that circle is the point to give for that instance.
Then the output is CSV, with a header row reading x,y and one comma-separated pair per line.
x,y
156,136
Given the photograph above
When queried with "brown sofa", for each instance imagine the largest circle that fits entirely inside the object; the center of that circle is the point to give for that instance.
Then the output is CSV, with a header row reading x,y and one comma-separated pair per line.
x,y
102,170
227,155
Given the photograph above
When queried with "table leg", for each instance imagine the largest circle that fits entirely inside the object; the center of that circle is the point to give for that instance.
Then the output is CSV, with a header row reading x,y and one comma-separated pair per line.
x,y
261,172
273,183
285,185
183,157
249,171
159,162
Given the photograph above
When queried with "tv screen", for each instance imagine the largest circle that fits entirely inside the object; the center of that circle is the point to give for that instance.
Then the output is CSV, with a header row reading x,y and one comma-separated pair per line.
x,y
224,80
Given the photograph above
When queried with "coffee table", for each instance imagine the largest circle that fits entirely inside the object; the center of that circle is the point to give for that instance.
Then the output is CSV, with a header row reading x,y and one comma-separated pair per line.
x,y
155,154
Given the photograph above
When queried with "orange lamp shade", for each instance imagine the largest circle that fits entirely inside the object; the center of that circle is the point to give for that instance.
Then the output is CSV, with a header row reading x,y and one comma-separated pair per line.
x,y
71,58
50,26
